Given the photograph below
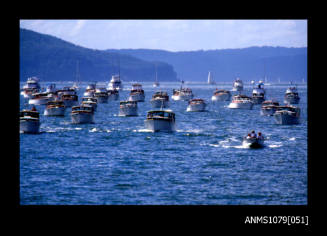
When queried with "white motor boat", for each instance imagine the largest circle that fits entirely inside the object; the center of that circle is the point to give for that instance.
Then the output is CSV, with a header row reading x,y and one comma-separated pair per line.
x,y
65,91
238,85
83,114
137,93
291,96
32,86
221,95
241,102
40,98
113,95
182,94
287,115
69,100
115,83
90,101
269,107
253,142
196,105
90,90
160,99
55,108
29,121
128,108
160,120
101,94
258,94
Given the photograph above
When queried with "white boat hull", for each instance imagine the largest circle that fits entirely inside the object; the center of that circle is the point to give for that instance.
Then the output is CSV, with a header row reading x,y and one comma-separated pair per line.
x,y
82,118
57,111
285,118
158,103
136,98
182,97
160,125
39,101
220,98
196,107
29,126
128,111
245,105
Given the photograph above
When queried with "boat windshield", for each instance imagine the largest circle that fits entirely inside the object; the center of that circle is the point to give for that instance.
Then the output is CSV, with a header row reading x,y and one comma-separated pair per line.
x,y
33,114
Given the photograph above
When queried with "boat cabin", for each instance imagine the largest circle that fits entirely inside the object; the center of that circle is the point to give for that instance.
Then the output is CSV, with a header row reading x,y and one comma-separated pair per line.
x,y
160,114
29,114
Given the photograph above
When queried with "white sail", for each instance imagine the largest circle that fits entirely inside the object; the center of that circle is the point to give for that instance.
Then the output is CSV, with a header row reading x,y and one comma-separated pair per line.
x,y
210,80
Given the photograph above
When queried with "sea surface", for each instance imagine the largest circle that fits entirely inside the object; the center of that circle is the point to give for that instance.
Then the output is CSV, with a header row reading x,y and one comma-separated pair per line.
x,y
116,161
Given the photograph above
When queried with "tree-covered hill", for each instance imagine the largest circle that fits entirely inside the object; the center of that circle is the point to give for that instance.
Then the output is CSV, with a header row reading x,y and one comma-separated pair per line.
x,y
53,59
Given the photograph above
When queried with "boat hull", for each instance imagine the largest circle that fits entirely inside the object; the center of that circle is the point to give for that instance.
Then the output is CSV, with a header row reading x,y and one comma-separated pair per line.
x,y
39,101
291,100
158,103
253,142
70,103
196,107
128,111
267,111
29,126
88,94
258,100
246,105
57,111
82,118
136,98
286,118
156,125
102,99
220,98
182,97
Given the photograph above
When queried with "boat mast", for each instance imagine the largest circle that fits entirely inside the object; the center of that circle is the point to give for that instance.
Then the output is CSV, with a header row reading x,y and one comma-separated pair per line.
x,y
77,73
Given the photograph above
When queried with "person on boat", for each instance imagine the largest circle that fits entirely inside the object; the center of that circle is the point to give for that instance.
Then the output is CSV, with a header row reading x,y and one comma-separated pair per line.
x,y
260,136
253,134
33,108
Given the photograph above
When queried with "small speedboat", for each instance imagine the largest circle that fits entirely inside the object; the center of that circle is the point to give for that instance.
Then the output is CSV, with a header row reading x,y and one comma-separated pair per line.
x,y
83,114
196,105
269,107
160,120
287,115
160,99
115,83
90,101
291,96
90,90
69,100
113,95
55,108
101,94
40,98
137,93
29,121
238,85
32,86
128,108
221,95
258,94
241,102
253,142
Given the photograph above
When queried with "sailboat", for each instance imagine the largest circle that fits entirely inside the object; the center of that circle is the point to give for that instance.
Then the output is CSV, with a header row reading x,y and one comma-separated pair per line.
x,y
156,83
210,80
76,83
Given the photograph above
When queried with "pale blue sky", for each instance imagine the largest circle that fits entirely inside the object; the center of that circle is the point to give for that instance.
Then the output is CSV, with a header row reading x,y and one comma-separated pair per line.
x,y
174,35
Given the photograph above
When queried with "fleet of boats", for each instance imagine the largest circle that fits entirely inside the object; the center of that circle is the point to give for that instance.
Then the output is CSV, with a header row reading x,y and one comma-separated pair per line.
x,y
160,119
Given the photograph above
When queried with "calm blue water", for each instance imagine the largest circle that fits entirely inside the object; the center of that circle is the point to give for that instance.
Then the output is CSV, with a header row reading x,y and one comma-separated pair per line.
x,y
116,161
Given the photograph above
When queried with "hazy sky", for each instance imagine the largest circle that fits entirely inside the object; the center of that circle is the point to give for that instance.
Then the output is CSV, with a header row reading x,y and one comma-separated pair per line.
x,y
174,35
